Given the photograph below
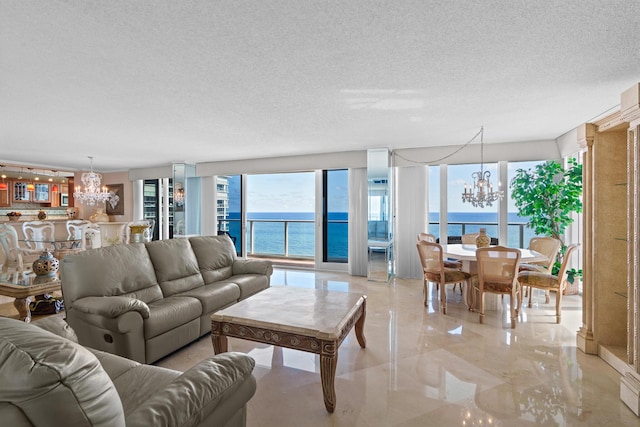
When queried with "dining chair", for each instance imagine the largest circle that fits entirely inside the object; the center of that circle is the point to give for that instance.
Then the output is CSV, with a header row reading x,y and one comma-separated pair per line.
x,y
547,281
75,227
448,262
498,274
37,234
12,254
91,237
434,271
549,247
148,233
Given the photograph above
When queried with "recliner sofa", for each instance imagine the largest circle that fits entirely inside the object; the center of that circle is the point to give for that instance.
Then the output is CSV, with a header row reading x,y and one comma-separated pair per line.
x,y
47,379
145,300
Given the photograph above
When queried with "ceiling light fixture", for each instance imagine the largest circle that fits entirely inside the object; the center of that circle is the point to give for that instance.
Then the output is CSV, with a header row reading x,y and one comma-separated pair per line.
x,y
92,193
481,193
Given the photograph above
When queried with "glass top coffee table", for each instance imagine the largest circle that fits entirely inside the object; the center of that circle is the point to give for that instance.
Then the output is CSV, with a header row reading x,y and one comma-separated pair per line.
x,y
312,320
24,285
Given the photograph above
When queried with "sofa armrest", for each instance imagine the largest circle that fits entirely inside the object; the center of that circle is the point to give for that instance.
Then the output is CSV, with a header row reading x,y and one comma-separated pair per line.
x,y
252,266
198,392
111,307
57,325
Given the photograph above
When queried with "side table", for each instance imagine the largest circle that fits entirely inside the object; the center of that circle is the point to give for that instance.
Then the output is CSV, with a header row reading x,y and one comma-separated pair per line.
x,y
24,285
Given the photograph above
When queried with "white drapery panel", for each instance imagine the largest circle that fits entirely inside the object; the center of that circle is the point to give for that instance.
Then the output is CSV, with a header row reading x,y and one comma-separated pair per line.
x,y
411,218
358,222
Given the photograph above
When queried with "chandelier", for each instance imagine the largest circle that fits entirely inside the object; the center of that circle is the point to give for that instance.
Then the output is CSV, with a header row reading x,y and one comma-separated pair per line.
x,y
178,194
481,193
92,193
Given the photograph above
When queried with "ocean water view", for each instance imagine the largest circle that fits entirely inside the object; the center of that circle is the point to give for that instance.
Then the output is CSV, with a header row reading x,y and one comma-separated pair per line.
x,y
268,231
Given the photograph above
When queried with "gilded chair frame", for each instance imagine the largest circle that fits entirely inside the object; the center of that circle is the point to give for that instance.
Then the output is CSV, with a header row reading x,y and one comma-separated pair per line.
x,y
549,282
498,274
431,259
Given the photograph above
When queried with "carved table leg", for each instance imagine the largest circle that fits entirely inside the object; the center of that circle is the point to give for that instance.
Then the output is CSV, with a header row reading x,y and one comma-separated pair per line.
x,y
328,363
360,326
22,305
219,343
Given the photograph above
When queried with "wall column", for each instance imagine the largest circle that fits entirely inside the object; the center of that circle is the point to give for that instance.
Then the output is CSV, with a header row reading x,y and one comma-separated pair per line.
x,y
585,339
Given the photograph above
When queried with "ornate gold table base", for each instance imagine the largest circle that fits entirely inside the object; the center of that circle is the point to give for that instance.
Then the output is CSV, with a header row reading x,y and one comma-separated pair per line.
x,y
322,342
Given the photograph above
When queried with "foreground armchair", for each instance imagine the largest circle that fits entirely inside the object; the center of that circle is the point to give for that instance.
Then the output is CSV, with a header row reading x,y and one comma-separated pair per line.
x,y
47,379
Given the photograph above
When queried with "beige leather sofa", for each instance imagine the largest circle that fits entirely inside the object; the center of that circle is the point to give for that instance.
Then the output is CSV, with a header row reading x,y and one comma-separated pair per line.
x,y
47,379
146,300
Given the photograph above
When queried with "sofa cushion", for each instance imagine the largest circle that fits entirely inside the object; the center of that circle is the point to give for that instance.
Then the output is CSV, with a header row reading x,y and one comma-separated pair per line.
x,y
53,380
249,284
109,271
169,313
175,264
215,255
215,296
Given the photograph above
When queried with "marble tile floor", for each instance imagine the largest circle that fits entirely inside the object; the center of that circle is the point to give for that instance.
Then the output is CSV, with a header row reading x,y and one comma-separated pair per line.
x,y
421,368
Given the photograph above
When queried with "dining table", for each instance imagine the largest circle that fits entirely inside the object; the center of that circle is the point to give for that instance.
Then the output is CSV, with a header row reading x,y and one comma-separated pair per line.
x,y
466,254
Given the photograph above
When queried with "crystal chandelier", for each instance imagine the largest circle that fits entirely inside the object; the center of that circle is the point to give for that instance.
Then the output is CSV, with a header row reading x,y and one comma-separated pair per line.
x,y
482,187
178,195
92,193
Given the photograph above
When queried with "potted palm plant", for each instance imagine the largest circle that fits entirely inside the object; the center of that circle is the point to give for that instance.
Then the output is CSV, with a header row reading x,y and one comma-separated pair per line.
x,y
548,194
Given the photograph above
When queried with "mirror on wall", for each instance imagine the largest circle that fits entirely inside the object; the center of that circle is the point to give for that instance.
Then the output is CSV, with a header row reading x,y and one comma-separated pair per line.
x,y
379,224
186,200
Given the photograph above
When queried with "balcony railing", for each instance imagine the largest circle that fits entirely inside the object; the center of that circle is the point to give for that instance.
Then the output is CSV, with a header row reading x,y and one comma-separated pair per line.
x,y
296,238
518,232
291,238
287,238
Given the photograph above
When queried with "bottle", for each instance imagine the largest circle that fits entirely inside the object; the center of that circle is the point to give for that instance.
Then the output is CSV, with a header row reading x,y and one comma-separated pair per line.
x,y
483,241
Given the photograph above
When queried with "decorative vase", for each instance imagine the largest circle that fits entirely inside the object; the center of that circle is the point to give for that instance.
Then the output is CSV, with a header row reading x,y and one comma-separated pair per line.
x,y
483,241
112,233
46,265
139,233
42,215
99,216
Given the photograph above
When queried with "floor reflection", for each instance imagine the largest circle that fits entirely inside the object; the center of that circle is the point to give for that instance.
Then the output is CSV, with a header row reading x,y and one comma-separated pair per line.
x,y
421,368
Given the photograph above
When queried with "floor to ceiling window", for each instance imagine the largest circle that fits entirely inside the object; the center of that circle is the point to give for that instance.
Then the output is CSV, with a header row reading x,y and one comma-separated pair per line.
x,y
463,217
335,216
274,215
434,201
281,215
229,208
518,231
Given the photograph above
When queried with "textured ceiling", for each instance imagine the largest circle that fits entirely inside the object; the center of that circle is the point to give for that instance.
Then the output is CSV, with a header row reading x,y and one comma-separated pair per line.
x,y
145,83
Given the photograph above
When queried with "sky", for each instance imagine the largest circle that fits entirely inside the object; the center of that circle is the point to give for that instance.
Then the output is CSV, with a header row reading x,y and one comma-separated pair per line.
x,y
289,192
